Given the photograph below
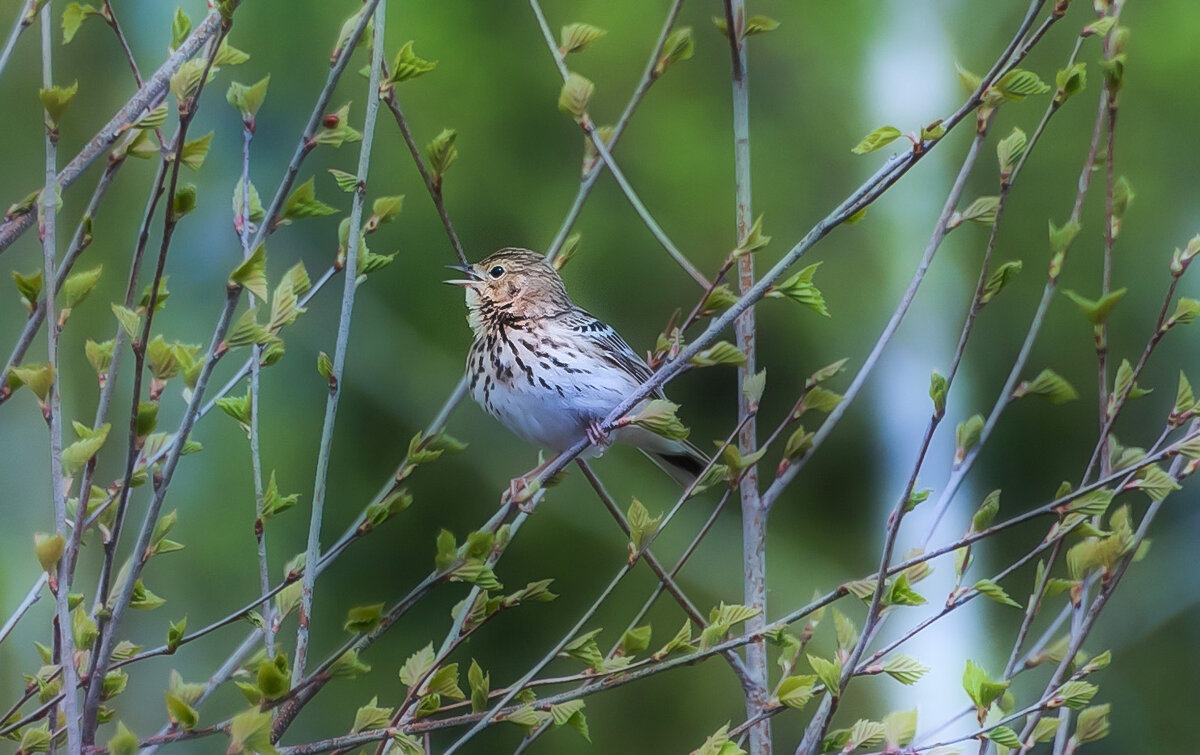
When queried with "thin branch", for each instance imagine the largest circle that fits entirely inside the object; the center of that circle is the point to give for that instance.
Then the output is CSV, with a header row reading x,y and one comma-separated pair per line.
x,y
22,22
148,97
589,129
64,645
350,285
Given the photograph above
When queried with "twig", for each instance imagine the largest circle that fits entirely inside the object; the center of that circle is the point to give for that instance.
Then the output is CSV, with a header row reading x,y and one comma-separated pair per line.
x,y
31,597
754,509
151,93
350,284
64,645
589,129
20,23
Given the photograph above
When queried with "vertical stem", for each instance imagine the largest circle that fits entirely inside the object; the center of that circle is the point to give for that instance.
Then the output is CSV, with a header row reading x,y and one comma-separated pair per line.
x,y
66,641
264,576
339,354
754,514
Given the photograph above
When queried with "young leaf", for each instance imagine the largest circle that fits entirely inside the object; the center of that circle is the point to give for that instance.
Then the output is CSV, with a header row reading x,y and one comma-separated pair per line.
x,y
659,417
982,211
1010,149
721,352
982,690
1019,83
251,273
575,94
756,240
1096,312
1000,278
1048,383
904,669
442,152
578,36
73,17
408,66
193,153
248,98
990,589
796,691
967,437
877,139
678,46
56,100
78,285
303,203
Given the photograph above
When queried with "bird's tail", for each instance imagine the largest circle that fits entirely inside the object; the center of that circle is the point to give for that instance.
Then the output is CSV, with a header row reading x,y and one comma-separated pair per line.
x,y
680,459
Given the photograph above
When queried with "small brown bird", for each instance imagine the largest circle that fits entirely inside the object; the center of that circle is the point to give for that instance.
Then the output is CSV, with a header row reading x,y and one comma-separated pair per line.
x,y
548,370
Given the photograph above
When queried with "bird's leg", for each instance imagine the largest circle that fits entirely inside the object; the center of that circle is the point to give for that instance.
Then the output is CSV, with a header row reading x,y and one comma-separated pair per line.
x,y
597,435
521,489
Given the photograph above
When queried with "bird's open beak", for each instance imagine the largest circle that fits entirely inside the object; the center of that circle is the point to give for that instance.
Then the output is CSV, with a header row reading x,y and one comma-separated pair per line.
x,y
471,279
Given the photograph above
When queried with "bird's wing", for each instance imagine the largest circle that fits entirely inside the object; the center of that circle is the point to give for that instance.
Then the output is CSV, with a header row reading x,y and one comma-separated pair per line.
x,y
609,346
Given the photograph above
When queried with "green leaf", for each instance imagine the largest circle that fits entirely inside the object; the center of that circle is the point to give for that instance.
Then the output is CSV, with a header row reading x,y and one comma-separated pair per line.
x,y
49,549
251,274
1186,310
575,94
753,387
1070,82
986,512
754,25
181,713
442,152
982,211
990,589
408,66
1093,503
1010,149
1074,694
73,17
829,672
1092,725
79,285
642,527
937,392
1096,312
363,618
798,442
967,436
246,331
680,643
1123,196
916,498
719,744
248,98
932,132
371,716
285,301
1018,83
181,26
900,593
635,640
721,352
584,649
228,55
193,153
79,453
185,201
799,288
982,690
29,287
1185,399
123,742
1152,481
480,684
1000,278
143,599
417,666
796,691
678,46
578,36
347,182
899,728
970,81
274,503
659,417
877,139
904,669
1048,383
303,203
444,682
384,210
340,131
250,732
56,100
39,378
756,240
1002,735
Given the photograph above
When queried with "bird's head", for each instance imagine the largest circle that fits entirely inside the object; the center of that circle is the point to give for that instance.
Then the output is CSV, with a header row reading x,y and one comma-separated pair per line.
x,y
512,283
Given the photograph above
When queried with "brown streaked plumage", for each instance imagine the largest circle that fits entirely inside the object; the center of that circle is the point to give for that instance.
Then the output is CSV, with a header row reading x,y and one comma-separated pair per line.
x,y
548,370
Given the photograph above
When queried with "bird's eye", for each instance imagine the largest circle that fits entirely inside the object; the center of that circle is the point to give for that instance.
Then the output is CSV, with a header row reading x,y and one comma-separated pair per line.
x,y
496,271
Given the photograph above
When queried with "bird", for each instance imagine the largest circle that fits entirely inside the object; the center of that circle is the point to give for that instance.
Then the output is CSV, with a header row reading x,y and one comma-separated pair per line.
x,y
551,372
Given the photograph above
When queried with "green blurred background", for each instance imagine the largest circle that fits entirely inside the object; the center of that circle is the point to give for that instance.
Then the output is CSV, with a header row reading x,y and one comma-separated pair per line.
x,y
831,73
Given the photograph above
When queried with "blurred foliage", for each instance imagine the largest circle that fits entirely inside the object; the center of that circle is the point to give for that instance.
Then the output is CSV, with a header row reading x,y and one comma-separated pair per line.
x,y
815,87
